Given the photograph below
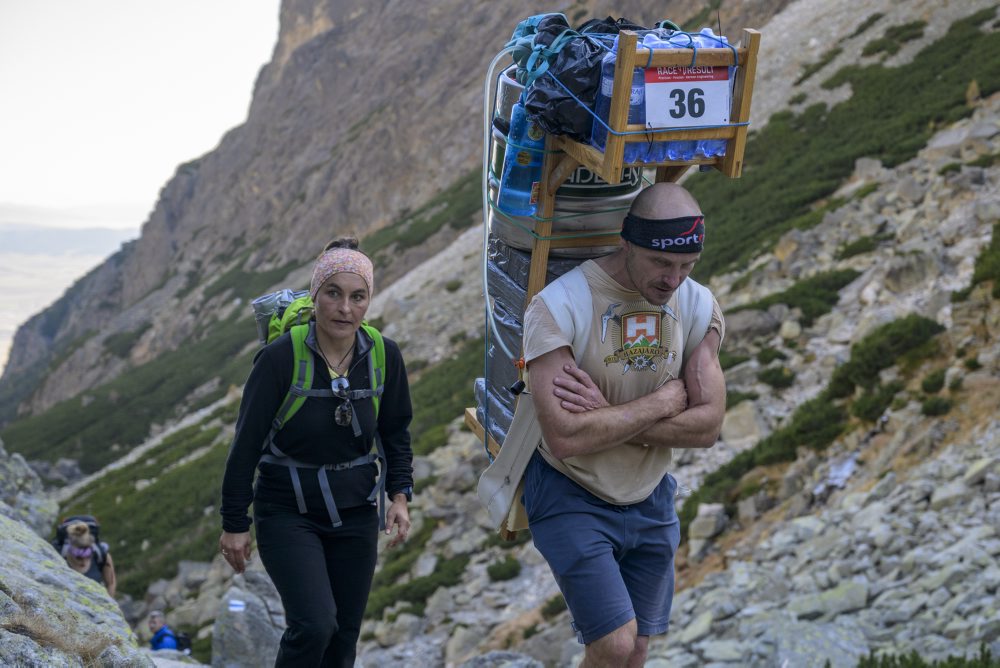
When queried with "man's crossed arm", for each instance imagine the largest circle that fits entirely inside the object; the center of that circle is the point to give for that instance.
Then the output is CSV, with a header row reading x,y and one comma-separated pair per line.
x,y
576,419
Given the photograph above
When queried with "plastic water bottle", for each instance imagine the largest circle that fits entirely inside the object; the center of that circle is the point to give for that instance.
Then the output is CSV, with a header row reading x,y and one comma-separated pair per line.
x,y
634,152
522,165
706,39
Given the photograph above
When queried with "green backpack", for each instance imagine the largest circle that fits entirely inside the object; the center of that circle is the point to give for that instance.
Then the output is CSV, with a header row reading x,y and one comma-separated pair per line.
x,y
292,312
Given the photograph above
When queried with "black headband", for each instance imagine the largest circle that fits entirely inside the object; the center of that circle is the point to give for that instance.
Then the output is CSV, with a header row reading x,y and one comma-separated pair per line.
x,y
676,235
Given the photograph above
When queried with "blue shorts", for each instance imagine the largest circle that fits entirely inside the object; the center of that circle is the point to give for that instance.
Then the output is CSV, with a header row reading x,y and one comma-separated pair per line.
x,y
612,563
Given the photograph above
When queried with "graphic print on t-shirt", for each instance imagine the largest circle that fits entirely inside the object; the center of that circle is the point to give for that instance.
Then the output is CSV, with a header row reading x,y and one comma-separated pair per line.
x,y
639,336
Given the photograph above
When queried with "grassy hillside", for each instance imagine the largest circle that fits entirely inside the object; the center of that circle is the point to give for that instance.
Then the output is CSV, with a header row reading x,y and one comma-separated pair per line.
x,y
106,422
797,160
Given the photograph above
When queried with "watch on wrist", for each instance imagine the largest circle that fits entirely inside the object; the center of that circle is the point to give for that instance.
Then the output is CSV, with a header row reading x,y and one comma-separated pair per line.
x,y
408,491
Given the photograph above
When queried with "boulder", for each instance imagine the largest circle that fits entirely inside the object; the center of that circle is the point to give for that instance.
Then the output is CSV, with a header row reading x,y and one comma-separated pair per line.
x,y
52,615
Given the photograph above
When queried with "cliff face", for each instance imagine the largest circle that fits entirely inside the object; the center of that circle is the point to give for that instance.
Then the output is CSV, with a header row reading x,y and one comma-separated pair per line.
x,y
365,111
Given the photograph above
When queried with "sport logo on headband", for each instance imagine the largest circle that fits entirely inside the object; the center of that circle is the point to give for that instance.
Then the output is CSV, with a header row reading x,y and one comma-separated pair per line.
x,y
695,236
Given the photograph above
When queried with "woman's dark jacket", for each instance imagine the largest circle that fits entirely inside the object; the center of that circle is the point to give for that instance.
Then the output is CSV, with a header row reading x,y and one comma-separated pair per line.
x,y
312,436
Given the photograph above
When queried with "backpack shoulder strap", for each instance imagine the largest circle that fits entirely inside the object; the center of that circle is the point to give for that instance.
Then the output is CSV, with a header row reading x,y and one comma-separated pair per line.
x,y
303,370
376,363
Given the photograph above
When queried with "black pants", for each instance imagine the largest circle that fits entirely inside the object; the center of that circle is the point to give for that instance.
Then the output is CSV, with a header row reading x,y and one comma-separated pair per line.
x,y
323,575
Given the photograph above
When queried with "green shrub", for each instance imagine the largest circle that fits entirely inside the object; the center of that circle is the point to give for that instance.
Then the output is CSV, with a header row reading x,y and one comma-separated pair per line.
x,y
933,382
798,159
880,350
768,355
824,60
733,398
797,99
950,168
778,377
972,364
728,360
553,606
870,405
862,245
985,161
506,569
442,394
453,285
894,38
454,206
247,284
913,660
399,560
120,344
988,264
814,296
447,574
934,406
866,24
495,540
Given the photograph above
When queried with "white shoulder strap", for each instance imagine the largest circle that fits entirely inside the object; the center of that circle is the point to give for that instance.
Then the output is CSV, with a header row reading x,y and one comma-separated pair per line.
x,y
569,301
695,302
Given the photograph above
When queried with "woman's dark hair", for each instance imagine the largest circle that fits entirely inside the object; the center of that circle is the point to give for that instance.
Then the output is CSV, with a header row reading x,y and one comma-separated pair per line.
x,y
343,242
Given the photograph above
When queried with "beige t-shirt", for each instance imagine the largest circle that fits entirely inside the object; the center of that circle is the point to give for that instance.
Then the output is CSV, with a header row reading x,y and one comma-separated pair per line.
x,y
633,348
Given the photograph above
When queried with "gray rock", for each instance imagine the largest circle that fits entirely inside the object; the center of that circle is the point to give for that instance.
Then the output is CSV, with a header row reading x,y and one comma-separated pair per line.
x,y
500,659
69,612
244,633
847,596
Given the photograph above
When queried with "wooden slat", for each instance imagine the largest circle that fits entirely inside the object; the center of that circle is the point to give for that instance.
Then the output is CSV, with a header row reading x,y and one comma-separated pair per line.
x,y
671,173
682,57
543,228
586,154
472,422
651,134
562,170
732,164
614,148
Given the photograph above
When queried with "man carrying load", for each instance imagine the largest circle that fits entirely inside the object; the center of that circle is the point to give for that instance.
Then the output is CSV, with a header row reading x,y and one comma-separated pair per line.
x,y
622,356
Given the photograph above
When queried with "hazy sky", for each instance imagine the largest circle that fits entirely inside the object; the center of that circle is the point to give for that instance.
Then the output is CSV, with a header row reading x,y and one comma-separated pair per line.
x,y
100,100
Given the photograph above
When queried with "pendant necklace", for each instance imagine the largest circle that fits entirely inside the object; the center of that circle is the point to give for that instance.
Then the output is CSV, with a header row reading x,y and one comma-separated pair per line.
x,y
339,364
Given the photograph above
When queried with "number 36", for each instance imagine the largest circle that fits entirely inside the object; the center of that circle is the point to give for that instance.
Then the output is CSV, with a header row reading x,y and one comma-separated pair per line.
x,y
692,104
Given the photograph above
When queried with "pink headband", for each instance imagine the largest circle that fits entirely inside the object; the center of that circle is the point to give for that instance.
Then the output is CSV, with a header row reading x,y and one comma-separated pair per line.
x,y
337,260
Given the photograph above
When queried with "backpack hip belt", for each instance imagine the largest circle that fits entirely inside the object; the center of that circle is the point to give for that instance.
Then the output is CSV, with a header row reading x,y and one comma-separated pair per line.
x,y
294,465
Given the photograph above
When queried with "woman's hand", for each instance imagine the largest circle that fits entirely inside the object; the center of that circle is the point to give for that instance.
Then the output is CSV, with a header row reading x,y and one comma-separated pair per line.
x,y
398,515
235,547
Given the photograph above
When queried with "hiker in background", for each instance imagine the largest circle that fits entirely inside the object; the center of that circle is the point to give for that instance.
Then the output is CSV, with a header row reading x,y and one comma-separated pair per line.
x,y
314,503
163,637
611,404
78,540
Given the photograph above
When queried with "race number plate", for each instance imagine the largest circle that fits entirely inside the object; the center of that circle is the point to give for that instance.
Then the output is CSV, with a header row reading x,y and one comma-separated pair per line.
x,y
682,97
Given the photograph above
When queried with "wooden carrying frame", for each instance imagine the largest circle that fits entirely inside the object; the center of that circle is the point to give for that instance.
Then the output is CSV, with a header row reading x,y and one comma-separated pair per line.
x,y
563,155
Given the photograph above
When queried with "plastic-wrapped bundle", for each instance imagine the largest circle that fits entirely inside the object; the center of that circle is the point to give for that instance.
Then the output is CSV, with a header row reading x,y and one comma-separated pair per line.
x,y
499,419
